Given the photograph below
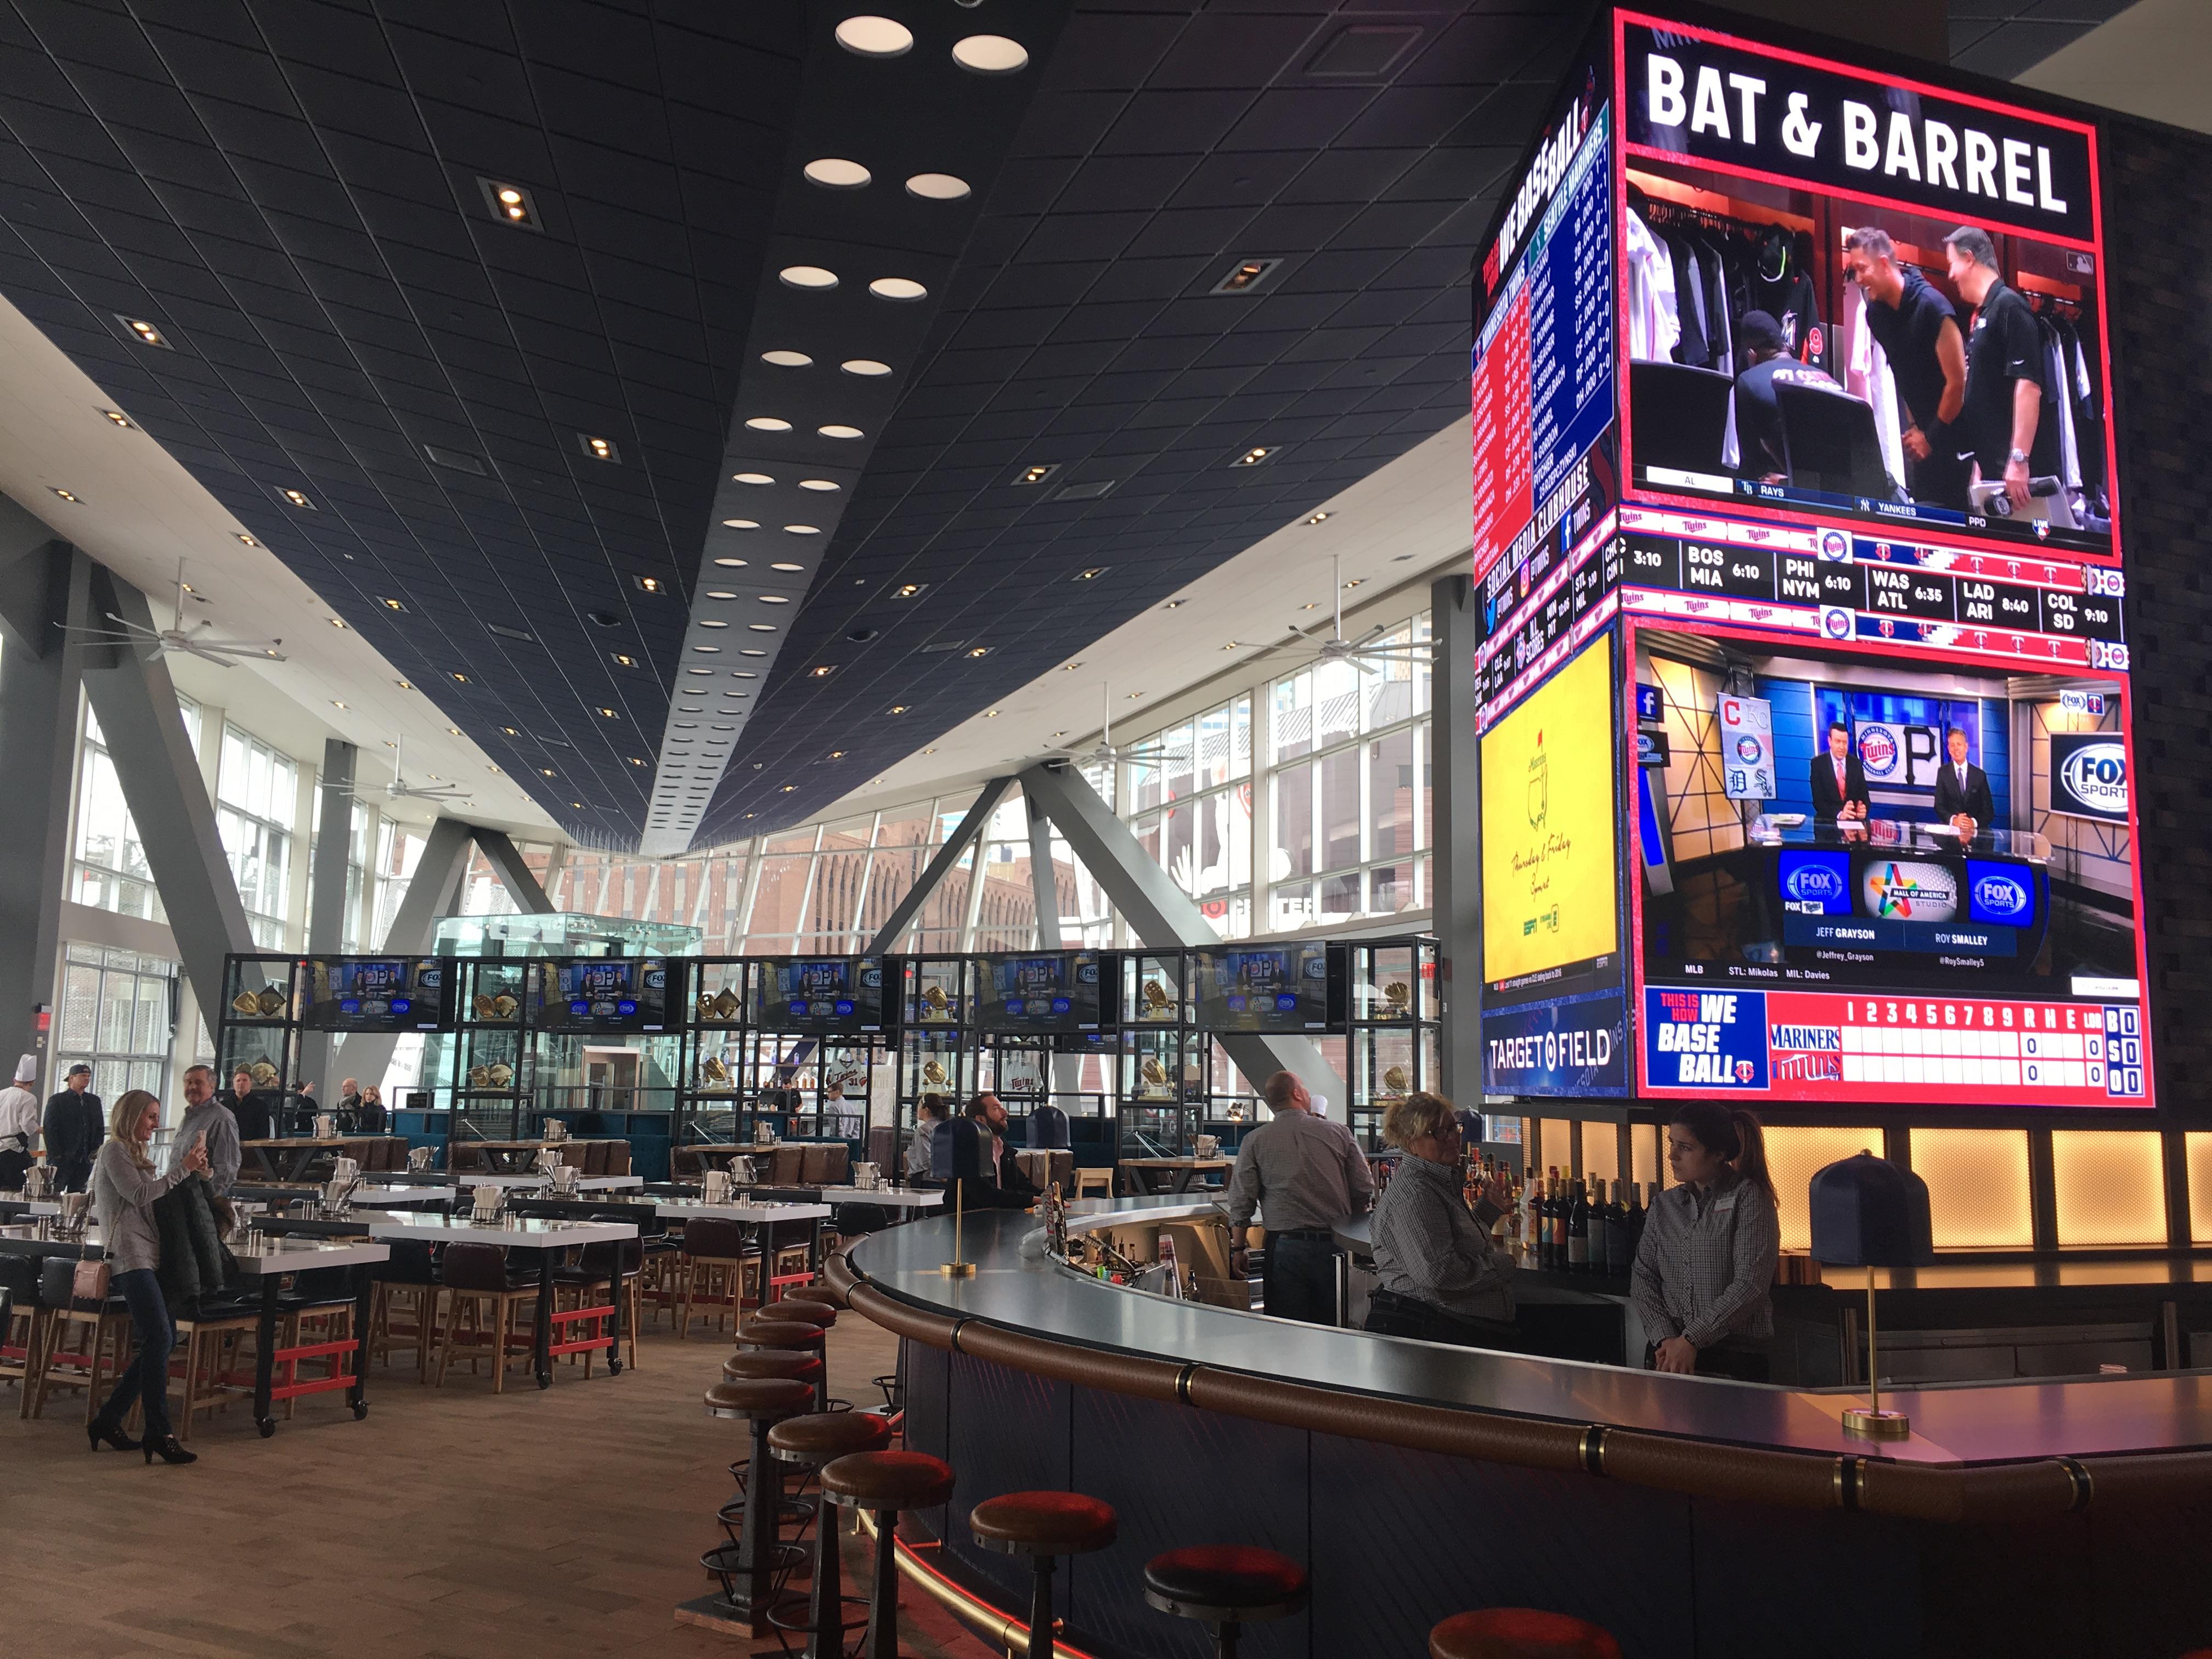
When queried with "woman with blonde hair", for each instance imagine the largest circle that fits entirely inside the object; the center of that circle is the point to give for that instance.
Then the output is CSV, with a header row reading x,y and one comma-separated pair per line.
x,y
1439,1277
124,1188
1704,1281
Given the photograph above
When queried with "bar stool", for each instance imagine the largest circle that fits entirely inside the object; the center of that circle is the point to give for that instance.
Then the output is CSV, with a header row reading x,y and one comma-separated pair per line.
x,y
755,1331
785,1363
809,1442
1227,1586
763,1402
1043,1526
817,1292
1519,1634
888,1484
820,1314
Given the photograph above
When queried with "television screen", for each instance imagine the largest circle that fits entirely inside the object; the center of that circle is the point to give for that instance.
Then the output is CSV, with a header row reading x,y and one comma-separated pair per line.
x,y
611,994
1281,988
1057,991
1837,280
384,993
820,994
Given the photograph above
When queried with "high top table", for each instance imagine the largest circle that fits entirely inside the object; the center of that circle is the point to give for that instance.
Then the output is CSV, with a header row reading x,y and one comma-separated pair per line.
x,y
548,1238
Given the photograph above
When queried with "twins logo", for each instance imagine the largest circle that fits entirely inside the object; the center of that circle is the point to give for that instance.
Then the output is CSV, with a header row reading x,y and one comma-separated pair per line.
x,y
1834,544
1878,751
1836,622
1749,749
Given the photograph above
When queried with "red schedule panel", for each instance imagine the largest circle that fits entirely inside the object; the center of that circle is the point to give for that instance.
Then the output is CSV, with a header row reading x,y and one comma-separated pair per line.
x,y
1505,474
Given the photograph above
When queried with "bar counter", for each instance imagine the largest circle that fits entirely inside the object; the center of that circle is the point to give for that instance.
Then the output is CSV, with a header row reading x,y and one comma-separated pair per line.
x,y
1688,1515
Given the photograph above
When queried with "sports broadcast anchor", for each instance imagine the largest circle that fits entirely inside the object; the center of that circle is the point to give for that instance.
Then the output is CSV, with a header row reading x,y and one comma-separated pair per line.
x,y
1962,790
1840,785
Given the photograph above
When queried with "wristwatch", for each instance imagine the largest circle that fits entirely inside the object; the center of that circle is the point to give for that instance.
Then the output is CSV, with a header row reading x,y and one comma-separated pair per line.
x,y
2018,456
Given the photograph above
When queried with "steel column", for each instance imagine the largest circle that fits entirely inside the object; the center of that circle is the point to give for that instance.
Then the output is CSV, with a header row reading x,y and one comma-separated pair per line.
x,y
444,862
1455,868
506,861
933,877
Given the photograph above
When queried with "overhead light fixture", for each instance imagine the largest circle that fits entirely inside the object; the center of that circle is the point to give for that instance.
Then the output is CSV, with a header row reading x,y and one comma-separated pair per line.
x,y
59,491
1175,604
1069,667
511,204
599,449
802,530
493,770
1353,583
118,417
510,731
835,172
712,622
898,708
937,186
823,484
336,622
990,713
897,287
1037,474
775,599
865,365
545,771
1133,696
297,499
636,760
143,331
1253,457
453,731
1091,574
931,750
578,805
1245,275
335,703
624,661
874,37
908,590
990,54
1320,517
651,585
788,787
247,539
787,566
808,277
768,423
979,651
404,685
390,605
836,753
835,430
822,670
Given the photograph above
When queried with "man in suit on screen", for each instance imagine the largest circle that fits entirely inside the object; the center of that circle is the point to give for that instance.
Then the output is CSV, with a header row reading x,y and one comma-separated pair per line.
x,y
1840,785
1962,791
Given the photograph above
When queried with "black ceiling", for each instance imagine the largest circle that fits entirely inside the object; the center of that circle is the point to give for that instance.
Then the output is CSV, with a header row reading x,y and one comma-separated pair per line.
x,y
290,192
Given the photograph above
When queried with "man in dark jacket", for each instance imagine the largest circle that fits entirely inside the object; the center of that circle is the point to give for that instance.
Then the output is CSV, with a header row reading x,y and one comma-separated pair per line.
x,y
248,1105
76,1123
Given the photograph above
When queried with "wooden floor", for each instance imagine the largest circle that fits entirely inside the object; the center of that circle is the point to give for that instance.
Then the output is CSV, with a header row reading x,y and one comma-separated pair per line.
x,y
450,1524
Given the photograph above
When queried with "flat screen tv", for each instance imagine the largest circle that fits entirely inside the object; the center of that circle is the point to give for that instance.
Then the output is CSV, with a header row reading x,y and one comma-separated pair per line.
x,y
1052,991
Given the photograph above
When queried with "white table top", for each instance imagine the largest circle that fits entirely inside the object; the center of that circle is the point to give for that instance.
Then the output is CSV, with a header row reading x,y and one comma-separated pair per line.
x,y
892,1198
466,1183
678,1209
261,1255
528,1233
394,1197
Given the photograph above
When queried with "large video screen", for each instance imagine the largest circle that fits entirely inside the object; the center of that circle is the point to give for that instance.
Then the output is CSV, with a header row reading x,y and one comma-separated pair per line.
x,y
384,994
1543,386
1553,1004
1281,988
1049,991
826,995
604,994
1857,298
1862,868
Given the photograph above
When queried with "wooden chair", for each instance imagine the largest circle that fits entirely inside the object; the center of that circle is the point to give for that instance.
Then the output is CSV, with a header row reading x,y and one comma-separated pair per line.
x,y
1098,1180
208,1360
475,1278
404,1308
26,1326
618,1158
84,1347
785,1166
592,1283
712,1271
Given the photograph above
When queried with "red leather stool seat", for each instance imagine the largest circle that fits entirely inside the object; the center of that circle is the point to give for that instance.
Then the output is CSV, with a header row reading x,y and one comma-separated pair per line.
x,y
773,1398
799,1309
1042,1523
779,1333
817,1292
1220,1583
819,1436
772,1362
900,1481
1519,1634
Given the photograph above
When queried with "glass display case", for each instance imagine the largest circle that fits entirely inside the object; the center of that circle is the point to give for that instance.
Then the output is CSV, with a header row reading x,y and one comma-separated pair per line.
x,y
1393,1035
257,1028
1155,990
560,933
490,1054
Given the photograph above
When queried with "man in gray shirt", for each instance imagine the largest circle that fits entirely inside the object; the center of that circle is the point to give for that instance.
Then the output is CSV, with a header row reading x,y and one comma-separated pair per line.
x,y
203,1111
1306,1174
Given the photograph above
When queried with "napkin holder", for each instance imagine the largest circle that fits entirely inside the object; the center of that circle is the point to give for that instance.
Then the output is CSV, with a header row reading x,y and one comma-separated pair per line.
x,y
866,1176
715,1187
556,1129
565,1179
485,1201
548,1160
421,1158
1209,1145
326,1126
744,1171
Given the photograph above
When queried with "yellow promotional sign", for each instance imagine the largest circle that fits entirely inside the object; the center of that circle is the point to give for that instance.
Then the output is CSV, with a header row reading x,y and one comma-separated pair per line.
x,y
1549,890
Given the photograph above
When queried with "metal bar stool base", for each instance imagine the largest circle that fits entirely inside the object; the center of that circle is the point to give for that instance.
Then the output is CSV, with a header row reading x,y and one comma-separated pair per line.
x,y
719,1612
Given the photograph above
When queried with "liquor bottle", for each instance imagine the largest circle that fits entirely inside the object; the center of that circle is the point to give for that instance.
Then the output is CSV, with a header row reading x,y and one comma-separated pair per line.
x,y
1531,1222
1578,1215
1555,1225
1543,1225
1601,1223
1637,1217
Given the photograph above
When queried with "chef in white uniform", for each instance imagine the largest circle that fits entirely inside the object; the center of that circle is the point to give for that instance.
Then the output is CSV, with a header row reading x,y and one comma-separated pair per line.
x,y
19,1124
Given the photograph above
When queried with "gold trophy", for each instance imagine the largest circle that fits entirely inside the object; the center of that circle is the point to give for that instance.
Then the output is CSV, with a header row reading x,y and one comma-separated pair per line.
x,y
1393,1083
716,1075
1157,1004
247,1004
1154,1076
481,1006
479,1077
935,1005
1397,999
270,1001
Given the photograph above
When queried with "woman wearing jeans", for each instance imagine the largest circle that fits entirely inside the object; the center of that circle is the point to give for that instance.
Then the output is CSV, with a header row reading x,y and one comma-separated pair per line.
x,y
124,1188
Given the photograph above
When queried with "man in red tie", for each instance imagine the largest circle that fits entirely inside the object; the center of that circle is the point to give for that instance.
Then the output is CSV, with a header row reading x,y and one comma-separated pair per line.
x,y
1840,785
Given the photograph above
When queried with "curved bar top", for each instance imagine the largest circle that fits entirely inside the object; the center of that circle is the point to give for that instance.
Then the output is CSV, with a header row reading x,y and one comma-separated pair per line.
x,y
2163,1421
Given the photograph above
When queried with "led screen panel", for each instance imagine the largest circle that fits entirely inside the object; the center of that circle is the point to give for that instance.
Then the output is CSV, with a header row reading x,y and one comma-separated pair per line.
x,y
1854,298
1047,992
613,995
1262,987
379,993
823,995
1912,913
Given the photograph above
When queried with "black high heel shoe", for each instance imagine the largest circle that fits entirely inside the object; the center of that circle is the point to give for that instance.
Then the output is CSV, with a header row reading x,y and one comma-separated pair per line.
x,y
168,1450
112,1433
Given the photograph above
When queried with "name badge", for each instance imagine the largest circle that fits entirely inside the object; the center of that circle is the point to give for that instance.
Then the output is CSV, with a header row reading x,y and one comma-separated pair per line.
x,y
1723,1206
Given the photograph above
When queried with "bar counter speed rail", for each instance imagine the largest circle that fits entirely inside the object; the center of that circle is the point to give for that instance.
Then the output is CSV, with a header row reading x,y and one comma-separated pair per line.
x,y
1688,1515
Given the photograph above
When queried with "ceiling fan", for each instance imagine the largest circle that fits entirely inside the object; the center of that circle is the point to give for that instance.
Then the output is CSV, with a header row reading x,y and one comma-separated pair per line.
x,y
199,642
1105,754
1364,653
400,789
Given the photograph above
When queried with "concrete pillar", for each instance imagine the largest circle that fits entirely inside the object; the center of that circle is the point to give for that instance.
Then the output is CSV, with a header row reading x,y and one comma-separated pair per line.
x,y
1456,869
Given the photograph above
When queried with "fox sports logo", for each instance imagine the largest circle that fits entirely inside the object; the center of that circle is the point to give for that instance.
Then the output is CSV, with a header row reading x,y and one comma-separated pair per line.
x,y
1815,884
2096,775
2004,897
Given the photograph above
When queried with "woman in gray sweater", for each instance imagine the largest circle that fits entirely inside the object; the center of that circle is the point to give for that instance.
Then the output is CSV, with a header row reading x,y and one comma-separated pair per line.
x,y
124,1188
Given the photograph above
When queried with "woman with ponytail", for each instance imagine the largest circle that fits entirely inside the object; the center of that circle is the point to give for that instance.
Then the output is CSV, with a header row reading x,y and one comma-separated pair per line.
x,y
1705,1273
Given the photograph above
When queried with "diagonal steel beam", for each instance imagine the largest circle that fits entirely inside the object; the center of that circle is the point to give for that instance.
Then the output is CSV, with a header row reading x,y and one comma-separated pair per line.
x,y
506,861
948,856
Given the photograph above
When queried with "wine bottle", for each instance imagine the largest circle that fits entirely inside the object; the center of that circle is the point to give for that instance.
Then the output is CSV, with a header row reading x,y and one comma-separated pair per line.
x,y
1616,1232
1600,1224
1578,1229
1555,1225
1637,1217
1530,1234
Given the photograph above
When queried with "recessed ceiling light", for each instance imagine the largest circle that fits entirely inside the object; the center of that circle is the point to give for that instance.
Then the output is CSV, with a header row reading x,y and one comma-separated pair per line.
x,y
546,771
990,713
741,524
1353,583
834,172
1069,667
775,599
748,650
760,627
510,204
752,477
607,714
703,672
822,670
810,277
1245,275
652,585
1232,646
491,769
990,54
874,37
836,753
453,731
599,449
247,539
931,750
768,423
712,622
335,703
742,673
867,365
898,708
1091,574
908,590
1314,606
636,760
510,731
143,331
1319,518
897,287
1037,474
802,530
578,805
979,651
839,431
1175,604
708,650
788,787
1253,457
404,685
732,564
297,499
390,605
787,565
786,359
819,483
937,186
59,491
719,593
118,417
335,621
1133,696
624,661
